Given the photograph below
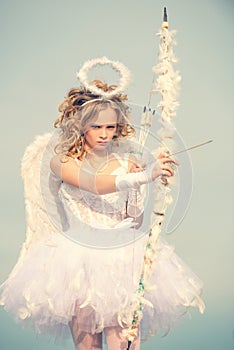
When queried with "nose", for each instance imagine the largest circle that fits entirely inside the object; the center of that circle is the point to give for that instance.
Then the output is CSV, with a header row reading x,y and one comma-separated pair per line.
x,y
103,133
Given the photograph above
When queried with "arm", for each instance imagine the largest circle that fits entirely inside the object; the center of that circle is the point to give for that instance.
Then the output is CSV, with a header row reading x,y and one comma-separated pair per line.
x,y
77,175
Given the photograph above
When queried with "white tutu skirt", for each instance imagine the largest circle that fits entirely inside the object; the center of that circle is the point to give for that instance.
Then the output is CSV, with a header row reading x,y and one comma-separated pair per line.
x,y
59,279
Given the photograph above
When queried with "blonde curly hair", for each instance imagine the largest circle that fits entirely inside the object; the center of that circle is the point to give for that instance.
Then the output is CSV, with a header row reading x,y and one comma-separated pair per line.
x,y
79,108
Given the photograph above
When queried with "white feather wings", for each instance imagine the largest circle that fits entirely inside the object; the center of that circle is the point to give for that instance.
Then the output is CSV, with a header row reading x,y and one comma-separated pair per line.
x,y
40,191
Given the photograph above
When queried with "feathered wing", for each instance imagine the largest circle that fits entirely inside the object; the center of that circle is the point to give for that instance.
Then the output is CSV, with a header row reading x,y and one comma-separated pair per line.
x,y
42,206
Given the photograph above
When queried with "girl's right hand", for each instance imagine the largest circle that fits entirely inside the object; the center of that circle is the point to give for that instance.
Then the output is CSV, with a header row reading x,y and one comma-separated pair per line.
x,y
163,166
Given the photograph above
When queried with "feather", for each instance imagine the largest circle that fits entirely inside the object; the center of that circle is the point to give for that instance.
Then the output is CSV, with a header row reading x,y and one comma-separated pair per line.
x,y
38,221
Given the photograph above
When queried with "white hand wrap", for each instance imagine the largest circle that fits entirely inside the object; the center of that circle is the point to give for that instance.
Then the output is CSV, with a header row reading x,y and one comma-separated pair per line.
x,y
134,180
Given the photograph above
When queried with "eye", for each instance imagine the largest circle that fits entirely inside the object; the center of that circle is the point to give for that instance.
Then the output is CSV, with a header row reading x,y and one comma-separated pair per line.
x,y
111,127
95,126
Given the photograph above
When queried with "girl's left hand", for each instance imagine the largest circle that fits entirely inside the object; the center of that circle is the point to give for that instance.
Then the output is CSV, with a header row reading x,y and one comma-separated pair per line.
x,y
135,168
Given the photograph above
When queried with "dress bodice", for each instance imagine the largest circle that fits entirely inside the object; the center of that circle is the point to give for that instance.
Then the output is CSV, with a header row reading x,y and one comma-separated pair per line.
x,y
108,209
94,209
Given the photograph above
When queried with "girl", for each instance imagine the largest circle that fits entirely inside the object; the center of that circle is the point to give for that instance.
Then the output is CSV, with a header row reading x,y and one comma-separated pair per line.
x,y
79,269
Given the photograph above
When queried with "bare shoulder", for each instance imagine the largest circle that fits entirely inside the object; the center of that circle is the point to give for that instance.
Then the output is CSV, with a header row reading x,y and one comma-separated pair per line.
x,y
55,163
58,164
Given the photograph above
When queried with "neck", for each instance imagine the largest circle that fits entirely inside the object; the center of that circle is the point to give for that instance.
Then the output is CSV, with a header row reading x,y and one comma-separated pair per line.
x,y
97,160
97,153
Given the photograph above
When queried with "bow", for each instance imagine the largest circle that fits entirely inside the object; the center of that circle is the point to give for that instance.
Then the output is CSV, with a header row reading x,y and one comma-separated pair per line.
x,y
167,84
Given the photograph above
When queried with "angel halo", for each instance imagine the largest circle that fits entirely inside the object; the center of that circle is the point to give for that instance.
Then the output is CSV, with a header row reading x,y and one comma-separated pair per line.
x,y
115,65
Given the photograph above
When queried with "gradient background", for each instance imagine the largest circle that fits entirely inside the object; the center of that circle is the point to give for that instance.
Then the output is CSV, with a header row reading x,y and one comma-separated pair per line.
x,y
43,44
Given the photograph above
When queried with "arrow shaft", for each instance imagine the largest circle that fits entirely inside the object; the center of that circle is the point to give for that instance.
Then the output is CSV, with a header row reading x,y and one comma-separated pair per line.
x,y
189,148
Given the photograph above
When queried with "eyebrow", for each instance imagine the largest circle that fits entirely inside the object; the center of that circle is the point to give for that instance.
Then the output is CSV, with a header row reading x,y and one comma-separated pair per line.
x,y
108,124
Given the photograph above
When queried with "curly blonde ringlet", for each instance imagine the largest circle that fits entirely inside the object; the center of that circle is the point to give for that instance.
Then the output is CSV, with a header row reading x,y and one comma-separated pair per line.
x,y
81,107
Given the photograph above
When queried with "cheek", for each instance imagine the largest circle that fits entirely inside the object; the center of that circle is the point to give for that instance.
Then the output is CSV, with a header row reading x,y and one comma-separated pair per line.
x,y
90,135
111,133
114,131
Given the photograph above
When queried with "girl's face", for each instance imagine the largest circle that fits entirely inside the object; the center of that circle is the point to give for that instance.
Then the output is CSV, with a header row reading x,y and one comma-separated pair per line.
x,y
100,131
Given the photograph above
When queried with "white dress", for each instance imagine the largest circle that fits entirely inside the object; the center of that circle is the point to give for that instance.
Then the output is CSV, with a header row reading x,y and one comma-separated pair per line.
x,y
63,273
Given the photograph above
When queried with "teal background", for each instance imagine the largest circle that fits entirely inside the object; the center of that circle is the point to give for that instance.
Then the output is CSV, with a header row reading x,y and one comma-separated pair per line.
x,y
43,44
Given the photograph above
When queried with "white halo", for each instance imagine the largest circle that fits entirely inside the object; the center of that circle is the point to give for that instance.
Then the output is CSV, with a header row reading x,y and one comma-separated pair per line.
x,y
116,65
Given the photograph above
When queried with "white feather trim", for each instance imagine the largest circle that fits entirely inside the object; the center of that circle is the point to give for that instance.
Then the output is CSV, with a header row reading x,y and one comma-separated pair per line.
x,y
115,65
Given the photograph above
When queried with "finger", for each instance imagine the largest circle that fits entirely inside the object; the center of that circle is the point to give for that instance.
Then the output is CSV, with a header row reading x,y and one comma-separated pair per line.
x,y
135,169
174,160
133,166
169,160
168,169
163,155
167,173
